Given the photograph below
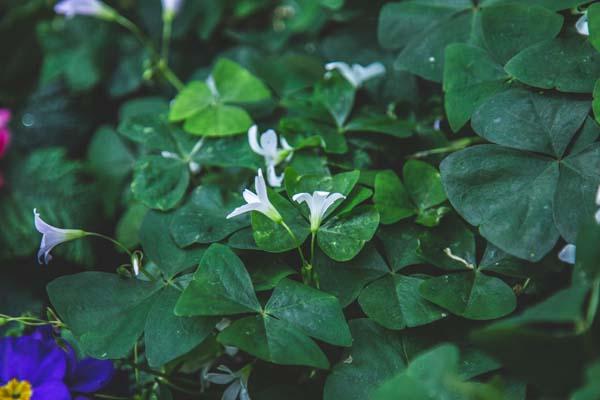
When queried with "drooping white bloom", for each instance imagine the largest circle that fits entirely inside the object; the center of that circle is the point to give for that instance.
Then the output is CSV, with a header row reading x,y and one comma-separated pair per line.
x,y
318,203
237,381
258,202
52,237
268,147
582,25
171,7
356,74
567,254
272,177
93,8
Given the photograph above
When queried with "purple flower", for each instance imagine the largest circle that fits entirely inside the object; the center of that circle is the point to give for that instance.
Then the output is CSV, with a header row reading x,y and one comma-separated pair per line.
x,y
34,367
94,8
52,237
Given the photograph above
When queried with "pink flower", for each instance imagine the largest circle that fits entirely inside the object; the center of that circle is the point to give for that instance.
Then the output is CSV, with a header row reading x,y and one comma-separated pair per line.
x,y
4,136
4,132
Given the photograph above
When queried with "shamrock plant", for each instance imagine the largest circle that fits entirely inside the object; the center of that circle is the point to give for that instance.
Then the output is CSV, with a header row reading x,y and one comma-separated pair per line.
x,y
316,199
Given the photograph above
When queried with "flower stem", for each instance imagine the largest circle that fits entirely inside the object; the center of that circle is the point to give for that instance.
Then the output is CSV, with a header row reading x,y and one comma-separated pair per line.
x,y
160,61
113,241
295,239
452,146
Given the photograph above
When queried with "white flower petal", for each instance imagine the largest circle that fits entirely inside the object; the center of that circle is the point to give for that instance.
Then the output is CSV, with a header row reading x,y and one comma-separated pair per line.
x,y
582,25
261,187
330,200
273,178
598,196
268,142
567,254
244,209
597,216
253,140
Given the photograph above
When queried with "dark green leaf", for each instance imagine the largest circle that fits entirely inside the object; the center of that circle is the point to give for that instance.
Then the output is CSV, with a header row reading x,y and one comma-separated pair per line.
x,y
203,218
221,286
567,64
342,237
311,311
273,340
160,182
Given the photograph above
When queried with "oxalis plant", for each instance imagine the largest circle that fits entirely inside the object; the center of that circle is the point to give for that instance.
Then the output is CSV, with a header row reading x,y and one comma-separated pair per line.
x,y
316,199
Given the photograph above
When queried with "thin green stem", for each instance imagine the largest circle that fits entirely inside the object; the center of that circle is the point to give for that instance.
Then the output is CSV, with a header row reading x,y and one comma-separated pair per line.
x,y
593,304
166,36
312,247
453,146
295,239
109,397
113,241
160,62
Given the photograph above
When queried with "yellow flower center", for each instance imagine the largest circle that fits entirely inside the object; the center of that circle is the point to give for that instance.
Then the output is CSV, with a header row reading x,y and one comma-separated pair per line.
x,y
16,390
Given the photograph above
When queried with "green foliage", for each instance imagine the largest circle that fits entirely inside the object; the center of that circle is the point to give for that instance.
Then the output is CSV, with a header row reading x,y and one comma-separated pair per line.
x,y
435,273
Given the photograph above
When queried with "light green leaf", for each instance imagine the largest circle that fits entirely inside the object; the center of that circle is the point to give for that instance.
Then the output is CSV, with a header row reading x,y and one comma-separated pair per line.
x,y
218,120
220,286
236,84
311,311
193,98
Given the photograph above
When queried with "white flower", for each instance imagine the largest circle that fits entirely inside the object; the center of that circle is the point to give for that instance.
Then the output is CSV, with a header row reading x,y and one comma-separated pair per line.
x,y
356,74
171,7
567,254
52,237
268,147
94,8
258,202
582,25
318,203
237,381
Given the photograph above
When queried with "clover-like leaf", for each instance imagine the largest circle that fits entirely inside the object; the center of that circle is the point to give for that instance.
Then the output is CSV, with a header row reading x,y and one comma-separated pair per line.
x,y
376,355
316,313
203,218
395,303
220,286
343,236
160,182
521,201
161,249
273,340
568,64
